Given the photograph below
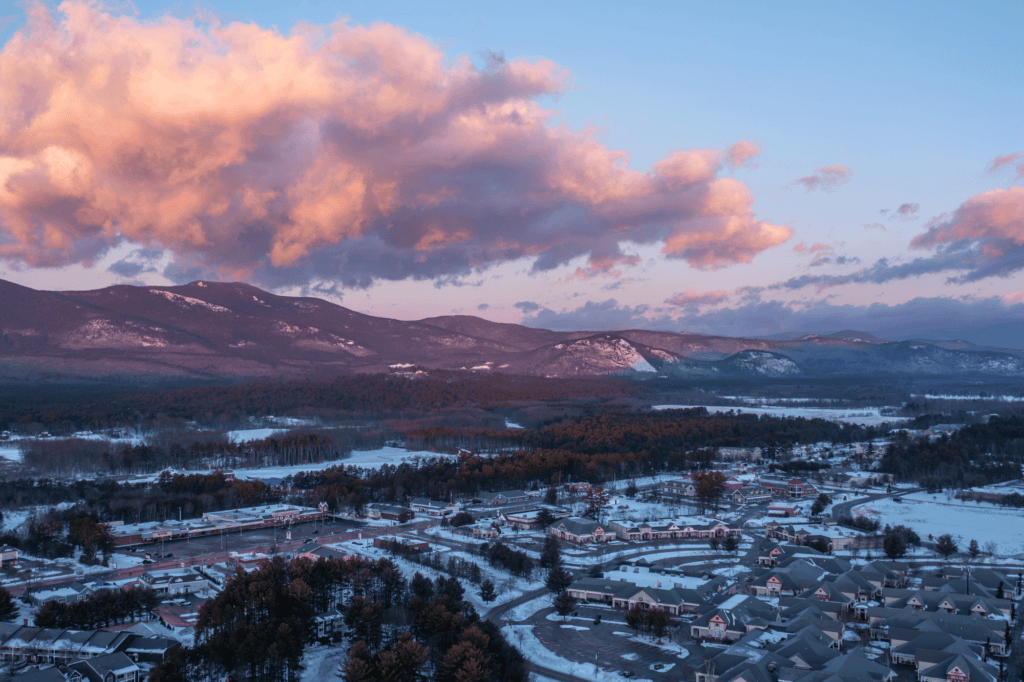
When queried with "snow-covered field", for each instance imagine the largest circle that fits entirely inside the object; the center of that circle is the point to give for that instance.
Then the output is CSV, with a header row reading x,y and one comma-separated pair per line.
x,y
869,416
936,514
10,451
522,636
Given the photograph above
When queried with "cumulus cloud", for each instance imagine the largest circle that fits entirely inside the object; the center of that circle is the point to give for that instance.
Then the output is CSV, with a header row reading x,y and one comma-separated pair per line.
x,y
988,228
825,178
691,298
1009,160
338,152
742,154
983,238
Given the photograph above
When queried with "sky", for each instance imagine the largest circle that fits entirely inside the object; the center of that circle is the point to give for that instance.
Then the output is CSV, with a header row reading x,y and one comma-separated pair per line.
x,y
736,168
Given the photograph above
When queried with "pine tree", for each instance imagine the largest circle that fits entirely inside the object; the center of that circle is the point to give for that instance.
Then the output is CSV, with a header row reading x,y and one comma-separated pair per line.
x,y
558,579
894,545
564,604
946,545
550,554
487,591
973,549
8,609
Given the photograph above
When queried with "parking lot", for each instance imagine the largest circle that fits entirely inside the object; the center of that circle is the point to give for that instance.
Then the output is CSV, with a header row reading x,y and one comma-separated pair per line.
x,y
244,541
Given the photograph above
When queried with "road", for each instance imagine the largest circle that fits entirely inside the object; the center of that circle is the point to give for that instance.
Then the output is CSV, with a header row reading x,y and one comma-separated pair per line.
x,y
365,532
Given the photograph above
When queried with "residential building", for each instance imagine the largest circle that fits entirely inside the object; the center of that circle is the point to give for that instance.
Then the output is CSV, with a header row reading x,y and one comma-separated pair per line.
x,y
175,581
502,497
579,531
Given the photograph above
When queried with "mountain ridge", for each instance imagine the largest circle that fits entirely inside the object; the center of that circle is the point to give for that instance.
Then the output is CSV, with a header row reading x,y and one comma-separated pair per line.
x,y
213,330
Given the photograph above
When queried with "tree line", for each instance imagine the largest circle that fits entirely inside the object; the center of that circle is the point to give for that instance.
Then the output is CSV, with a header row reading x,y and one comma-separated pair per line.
x,y
972,456
377,395
257,628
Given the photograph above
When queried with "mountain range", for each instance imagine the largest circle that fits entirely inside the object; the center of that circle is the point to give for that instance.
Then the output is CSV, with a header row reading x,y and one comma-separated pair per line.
x,y
208,330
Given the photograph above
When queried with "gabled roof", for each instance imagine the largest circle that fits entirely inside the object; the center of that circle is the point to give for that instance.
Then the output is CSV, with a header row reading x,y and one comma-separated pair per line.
x,y
99,667
577,526
857,664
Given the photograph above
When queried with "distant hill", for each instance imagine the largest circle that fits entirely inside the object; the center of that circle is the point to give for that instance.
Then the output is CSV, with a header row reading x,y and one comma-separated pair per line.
x,y
211,330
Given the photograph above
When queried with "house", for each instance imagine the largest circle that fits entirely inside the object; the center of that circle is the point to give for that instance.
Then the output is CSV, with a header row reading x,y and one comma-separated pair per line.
x,y
775,584
780,510
8,555
115,667
388,512
502,498
175,581
662,529
940,666
43,675
431,508
793,488
527,520
727,622
579,531
779,553
625,594
59,647
64,593
677,489
718,625
329,623
315,552
756,495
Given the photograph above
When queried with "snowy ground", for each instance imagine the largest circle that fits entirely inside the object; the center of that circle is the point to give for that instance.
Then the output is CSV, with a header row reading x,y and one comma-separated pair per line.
x,y
321,662
522,636
938,514
388,455
508,588
869,416
245,435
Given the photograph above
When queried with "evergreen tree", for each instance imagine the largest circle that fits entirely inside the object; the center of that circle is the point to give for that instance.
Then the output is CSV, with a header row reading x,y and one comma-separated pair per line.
x,y
946,545
8,609
894,545
564,604
558,579
973,549
487,591
550,554
551,495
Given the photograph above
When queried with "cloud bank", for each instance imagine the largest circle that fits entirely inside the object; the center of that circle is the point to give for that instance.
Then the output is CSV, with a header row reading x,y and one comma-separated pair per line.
x,y
997,321
342,152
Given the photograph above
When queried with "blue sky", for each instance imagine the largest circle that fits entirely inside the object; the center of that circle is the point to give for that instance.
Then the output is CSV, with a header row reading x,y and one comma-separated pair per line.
x,y
912,101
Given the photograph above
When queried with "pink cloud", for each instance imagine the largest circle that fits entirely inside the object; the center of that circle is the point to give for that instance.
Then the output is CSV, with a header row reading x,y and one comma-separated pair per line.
x,y
993,219
694,298
1008,160
342,151
1013,298
825,178
742,153
800,248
